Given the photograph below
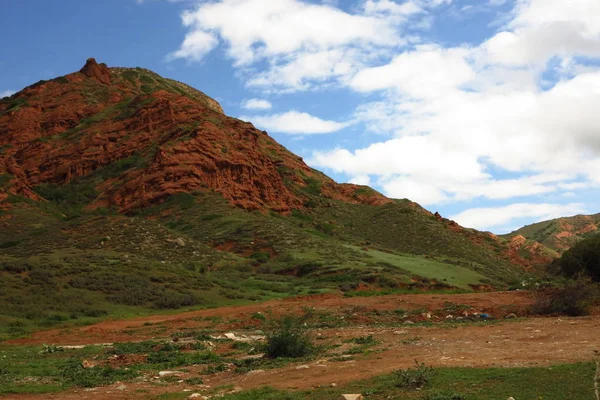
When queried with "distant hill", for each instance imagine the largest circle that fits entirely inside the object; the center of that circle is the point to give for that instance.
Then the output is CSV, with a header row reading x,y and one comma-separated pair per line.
x,y
123,192
562,233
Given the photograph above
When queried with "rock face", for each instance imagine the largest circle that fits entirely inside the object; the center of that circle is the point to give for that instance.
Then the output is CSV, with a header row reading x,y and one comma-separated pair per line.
x,y
148,138
96,71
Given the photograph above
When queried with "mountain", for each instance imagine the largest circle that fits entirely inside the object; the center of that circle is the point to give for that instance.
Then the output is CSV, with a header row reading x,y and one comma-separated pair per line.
x,y
167,137
123,192
559,234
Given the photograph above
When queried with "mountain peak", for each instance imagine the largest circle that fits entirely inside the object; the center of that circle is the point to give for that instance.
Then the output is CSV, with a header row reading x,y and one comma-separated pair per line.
x,y
96,71
134,138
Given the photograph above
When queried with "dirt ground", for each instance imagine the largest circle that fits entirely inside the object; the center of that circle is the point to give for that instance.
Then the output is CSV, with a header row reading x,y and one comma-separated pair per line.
x,y
508,343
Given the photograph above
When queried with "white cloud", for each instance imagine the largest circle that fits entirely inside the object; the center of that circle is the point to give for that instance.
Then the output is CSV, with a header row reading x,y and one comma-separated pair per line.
x,y
304,44
463,120
297,123
6,93
364,180
195,46
257,104
425,72
491,217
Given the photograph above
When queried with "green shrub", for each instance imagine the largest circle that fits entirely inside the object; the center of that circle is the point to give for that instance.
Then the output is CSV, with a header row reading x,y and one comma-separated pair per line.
x,y
261,257
583,258
288,337
414,378
574,298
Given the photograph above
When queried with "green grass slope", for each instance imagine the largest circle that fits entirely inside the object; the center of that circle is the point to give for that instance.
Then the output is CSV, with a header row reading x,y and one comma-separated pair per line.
x,y
561,233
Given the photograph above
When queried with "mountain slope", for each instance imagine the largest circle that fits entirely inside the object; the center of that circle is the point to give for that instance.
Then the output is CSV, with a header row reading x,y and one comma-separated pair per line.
x,y
562,233
167,137
122,192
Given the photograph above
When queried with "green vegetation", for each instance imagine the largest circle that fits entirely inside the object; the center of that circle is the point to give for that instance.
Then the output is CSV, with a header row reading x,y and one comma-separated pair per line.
x,y
34,369
288,337
414,378
546,232
573,382
572,297
58,251
581,259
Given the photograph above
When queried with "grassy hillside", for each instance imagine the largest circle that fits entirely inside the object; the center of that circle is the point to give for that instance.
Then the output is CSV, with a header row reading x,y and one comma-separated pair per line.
x,y
131,193
562,233
62,263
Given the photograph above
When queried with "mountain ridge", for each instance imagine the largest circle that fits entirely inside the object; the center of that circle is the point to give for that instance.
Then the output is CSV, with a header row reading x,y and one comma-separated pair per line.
x,y
559,234
135,113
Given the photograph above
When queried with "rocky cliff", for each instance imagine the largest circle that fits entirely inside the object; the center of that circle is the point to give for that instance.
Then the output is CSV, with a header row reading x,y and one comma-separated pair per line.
x,y
157,136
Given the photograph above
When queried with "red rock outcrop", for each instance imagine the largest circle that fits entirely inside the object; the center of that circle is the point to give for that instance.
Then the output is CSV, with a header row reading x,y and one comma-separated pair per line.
x,y
70,127
96,71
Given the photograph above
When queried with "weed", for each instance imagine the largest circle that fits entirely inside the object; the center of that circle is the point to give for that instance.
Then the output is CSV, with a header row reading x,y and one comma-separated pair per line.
x,y
49,349
364,340
414,378
195,381
74,373
288,337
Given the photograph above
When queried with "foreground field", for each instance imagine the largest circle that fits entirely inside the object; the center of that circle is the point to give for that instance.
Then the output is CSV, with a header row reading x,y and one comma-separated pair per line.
x,y
362,341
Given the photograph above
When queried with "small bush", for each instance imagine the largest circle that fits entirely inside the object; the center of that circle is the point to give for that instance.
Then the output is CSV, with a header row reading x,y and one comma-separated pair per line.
x,y
288,337
261,257
414,378
573,298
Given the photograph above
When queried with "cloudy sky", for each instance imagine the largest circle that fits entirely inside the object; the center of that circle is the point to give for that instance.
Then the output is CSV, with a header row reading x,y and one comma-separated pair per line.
x,y
483,110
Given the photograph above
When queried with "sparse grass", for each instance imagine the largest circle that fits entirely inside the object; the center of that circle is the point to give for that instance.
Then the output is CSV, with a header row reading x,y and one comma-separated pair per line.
x,y
557,382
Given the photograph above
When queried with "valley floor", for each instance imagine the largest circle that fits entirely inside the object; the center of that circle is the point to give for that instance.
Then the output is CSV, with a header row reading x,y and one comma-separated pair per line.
x,y
435,339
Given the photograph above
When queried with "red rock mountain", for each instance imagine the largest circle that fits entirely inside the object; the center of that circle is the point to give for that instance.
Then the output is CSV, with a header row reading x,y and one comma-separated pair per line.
x,y
164,138
562,233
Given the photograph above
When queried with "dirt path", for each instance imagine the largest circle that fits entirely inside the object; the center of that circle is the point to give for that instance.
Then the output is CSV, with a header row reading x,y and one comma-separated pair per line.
x,y
518,343
138,329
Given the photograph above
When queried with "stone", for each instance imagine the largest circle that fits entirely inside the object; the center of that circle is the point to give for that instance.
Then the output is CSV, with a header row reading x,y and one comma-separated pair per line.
x,y
162,374
87,364
511,316
121,387
180,242
409,322
302,367
197,396
351,397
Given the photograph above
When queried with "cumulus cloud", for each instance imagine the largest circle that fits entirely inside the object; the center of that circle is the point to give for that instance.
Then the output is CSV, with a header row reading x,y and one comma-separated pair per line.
x,y
296,123
256,104
303,43
492,217
463,119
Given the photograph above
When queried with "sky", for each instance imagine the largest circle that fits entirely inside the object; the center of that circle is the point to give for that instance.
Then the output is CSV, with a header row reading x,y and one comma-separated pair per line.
x,y
483,110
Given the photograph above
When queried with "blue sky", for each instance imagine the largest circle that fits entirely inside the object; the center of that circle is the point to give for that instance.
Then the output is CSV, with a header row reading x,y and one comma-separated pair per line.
x,y
483,110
